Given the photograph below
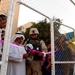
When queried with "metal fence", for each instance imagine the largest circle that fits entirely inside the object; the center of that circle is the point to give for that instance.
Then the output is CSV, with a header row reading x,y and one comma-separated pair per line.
x,y
62,54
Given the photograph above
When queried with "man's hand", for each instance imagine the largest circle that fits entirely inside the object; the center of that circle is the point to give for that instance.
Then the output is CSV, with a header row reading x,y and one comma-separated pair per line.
x,y
32,53
25,56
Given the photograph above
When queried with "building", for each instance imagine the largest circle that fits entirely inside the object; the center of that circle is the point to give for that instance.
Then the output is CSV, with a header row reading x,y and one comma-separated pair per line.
x,y
23,27
4,6
70,35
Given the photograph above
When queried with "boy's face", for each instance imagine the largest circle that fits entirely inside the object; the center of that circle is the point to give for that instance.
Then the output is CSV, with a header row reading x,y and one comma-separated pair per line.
x,y
19,40
55,47
3,35
3,22
49,47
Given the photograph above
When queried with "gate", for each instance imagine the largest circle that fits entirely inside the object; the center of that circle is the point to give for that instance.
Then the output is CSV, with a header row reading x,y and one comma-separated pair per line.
x,y
57,64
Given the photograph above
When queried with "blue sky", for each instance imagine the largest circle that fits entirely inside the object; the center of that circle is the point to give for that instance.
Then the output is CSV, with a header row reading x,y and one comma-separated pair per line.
x,y
62,9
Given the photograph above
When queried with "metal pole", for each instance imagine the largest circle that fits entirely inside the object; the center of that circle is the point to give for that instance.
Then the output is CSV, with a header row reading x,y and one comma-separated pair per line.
x,y
72,2
52,37
74,33
52,48
7,39
64,25
33,9
8,32
67,26
64,62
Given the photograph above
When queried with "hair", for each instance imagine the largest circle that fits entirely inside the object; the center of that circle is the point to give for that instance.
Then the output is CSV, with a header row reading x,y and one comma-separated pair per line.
x,y
56,43
48,41
2,16
3,31
62,35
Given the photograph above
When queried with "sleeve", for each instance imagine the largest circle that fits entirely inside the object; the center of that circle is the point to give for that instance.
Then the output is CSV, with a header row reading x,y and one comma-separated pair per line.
x,y
43,46
16,54
44,66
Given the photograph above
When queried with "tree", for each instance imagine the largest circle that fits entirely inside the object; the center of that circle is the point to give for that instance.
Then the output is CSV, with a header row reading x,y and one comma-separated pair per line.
x,y
44,29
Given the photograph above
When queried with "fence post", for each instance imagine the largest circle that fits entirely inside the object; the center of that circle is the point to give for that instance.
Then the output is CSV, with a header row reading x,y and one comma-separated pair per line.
x,y
7,39
52,47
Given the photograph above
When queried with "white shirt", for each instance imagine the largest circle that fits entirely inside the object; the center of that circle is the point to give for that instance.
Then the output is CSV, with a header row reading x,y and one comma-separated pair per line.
x,y
16,63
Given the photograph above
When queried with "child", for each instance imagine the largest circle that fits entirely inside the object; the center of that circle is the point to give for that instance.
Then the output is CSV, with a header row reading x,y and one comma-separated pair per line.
x,y
46,67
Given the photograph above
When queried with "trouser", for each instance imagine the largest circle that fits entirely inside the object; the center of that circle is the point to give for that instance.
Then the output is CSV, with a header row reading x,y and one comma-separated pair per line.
x,y
33,67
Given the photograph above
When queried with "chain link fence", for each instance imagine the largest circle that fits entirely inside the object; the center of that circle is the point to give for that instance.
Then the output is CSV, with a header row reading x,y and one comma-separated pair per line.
x,y
64,54
62,42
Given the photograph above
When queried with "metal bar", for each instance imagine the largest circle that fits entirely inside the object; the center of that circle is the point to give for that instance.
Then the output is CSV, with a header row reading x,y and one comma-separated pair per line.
x,y
33,9
0,62
72,2
64,25
52,36
64,62
52,48
7,39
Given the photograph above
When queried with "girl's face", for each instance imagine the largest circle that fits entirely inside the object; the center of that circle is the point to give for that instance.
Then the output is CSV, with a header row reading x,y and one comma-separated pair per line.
x,y
62,39
49,57
49,46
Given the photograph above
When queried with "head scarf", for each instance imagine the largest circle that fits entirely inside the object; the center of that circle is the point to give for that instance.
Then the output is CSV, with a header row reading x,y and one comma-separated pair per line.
x,y
17,35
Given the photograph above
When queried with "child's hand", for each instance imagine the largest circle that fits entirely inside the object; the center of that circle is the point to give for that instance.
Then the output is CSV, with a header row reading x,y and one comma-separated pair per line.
x,y
40,54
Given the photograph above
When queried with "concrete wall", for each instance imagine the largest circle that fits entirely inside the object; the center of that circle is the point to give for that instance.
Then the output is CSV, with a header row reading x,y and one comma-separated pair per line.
x,y
4,6
23,27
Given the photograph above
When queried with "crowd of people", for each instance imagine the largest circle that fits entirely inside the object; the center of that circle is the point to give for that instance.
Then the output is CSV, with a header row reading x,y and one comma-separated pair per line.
x,y
34,56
